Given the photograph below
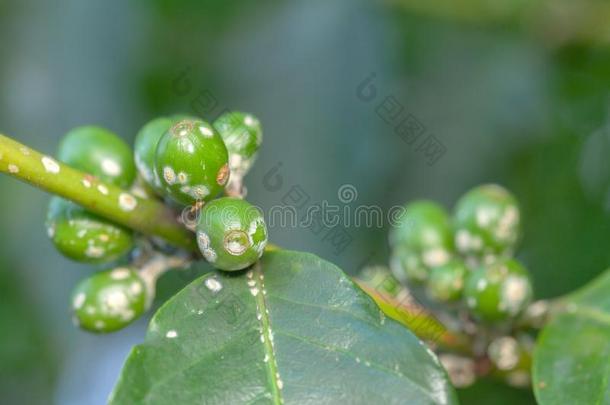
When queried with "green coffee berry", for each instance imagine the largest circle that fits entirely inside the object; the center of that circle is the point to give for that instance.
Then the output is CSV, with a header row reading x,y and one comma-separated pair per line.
x,y
407,266
191,161
498,291
421,239
231,233
109,300
243,136
486,223
446,282
85,237
145,146
99,152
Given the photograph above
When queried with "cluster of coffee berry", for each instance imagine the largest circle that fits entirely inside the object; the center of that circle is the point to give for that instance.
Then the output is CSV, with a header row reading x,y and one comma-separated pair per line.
x,y
467,258
181,160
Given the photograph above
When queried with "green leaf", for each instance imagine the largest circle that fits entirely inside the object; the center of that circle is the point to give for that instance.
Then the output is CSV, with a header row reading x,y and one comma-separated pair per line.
x,y
572,358
294,329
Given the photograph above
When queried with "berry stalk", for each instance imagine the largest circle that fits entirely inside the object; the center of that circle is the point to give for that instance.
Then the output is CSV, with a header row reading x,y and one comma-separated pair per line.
x,y
120,206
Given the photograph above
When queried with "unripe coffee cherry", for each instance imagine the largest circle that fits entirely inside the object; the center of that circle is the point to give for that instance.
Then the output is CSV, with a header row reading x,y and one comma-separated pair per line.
x,y
99,152
486,224
446,282
421,239
243,136
144,149
109,300
85,237
231,233
407,266
191,161
498,291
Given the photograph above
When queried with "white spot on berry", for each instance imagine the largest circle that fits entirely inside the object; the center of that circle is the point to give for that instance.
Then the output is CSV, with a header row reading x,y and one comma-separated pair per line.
x,y
203,240
111,167
135,288
13,168
102,189
171,334
435,257
86,183
205,131
182,177
200,192
120,273
169,175
50,165
25,151
127,202
79,300
209,254
213,285
94,251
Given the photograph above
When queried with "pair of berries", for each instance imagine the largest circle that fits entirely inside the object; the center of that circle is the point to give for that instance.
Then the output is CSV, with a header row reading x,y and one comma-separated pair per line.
x,y
465,257
181,159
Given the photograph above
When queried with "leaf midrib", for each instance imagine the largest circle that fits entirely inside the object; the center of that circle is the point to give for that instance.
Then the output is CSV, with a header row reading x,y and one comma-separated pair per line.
x,y
265,323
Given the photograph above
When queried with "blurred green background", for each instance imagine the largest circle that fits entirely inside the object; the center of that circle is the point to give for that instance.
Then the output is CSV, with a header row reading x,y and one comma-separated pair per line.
x,y
516,91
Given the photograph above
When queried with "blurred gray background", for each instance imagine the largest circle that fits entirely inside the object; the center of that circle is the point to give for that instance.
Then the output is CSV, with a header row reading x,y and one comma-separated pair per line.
x,y
516,93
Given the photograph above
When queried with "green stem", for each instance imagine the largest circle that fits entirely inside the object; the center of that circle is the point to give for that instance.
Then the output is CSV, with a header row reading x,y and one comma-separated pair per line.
x,y
143,215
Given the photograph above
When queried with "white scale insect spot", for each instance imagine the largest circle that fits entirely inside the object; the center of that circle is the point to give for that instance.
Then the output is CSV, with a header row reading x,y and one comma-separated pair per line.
x,y
104,237
203,240
254,291
99,324
127,202
514,292
51,230
111,167
251,283
210,255
249,120
120,273
50,165
205,131
435,257
25,151
79,300
200,312
81,234
471,302
266,359
213,285
171,334
135,288
13,168
182,177
94,251
200,191
102,189
481,284
462,240
86,183
169,175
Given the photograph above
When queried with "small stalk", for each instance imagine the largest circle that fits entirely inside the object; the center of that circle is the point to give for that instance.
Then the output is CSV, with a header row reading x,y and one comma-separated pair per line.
x,y
120,206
